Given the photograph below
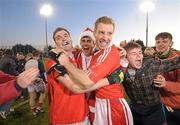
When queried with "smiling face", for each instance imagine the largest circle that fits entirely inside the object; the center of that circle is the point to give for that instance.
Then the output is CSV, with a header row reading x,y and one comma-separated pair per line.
x,y
87,45
135,58
163,45
63,40
103,31
103,35
163,42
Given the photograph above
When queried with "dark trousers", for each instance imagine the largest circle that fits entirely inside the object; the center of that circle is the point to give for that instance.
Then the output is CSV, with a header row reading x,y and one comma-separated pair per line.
x,y
173,118
25,94
6,106
148,115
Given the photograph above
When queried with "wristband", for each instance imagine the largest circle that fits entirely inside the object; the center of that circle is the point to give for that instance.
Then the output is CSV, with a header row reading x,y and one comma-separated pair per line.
x,y
116,76
55,56
60,69
59,54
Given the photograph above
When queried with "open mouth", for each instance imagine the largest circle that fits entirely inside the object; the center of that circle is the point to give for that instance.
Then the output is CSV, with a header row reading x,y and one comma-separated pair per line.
x,y
138,62
65,43
86,48
104,43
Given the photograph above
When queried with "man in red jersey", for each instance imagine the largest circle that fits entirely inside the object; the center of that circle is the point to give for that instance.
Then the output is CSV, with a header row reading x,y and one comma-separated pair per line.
x,y
110,107
87,43
65,106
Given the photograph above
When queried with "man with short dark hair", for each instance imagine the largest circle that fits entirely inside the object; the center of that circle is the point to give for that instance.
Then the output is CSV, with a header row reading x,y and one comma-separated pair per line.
x,y
170,92
65,107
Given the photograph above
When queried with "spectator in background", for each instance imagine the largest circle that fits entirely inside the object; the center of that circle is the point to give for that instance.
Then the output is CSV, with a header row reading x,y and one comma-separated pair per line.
x,y
149,52
28,56
1,54
42,69
141,43
38,86
7,63
20,63
123,43
170,92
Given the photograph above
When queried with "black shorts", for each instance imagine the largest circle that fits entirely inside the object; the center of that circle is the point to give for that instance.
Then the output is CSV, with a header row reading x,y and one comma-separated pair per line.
x,y
173,118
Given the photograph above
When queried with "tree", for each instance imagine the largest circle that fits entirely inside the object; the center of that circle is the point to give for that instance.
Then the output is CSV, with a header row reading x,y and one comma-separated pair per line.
x,y
23,48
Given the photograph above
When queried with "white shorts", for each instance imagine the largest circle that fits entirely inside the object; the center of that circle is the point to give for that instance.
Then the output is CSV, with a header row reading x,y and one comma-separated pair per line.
x,y
112,112
31,88
37,88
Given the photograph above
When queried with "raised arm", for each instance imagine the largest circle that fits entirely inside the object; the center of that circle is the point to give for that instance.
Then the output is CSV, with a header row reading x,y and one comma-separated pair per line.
x,y
168,65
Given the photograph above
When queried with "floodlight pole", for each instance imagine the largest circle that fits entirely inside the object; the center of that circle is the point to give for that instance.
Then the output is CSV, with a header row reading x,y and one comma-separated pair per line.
x,y
147,21
46,32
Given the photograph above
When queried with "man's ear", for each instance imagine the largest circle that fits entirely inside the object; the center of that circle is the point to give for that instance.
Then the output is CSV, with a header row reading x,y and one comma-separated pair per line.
x,y
171,44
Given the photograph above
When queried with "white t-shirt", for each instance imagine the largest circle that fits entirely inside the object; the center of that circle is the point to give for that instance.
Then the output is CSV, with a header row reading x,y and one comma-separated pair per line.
x,y
31,63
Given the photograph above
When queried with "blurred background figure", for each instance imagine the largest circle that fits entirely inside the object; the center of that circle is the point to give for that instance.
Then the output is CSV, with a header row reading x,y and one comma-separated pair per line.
x,y
150,51
8,66
20,63
7,63
123,43
38,87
